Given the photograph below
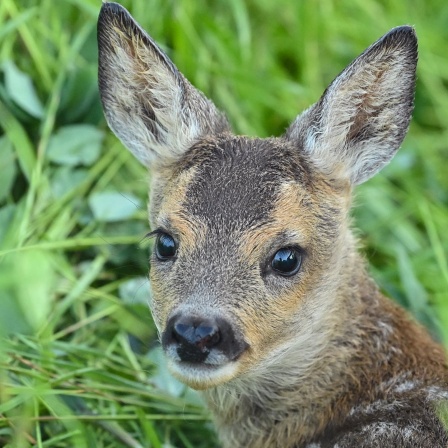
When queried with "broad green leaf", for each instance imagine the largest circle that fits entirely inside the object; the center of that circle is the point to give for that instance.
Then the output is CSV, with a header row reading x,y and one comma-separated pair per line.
x,y
34,284
21,90
66,179
112,206
135,291
163,378
12,317
78,144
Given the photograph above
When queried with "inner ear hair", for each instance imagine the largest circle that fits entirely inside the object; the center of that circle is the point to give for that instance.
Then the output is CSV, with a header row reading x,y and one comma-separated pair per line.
x,y
360,121
148,103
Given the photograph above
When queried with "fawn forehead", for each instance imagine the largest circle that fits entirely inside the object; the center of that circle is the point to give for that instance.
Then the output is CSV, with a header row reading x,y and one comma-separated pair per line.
x,y
238,180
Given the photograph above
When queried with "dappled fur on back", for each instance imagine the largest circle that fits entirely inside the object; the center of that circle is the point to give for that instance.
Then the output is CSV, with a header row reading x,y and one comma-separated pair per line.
x,y
318,358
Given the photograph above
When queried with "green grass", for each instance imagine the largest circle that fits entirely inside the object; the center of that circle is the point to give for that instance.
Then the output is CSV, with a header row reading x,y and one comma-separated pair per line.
x,y
78,359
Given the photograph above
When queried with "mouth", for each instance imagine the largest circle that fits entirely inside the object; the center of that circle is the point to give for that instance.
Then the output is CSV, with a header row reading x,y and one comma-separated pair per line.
x,y
201,376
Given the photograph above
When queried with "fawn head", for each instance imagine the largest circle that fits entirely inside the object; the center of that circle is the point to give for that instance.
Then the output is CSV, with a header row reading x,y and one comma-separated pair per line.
x,y
252,235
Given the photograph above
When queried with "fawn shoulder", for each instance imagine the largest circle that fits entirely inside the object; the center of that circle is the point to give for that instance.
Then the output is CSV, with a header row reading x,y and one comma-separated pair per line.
x,y
259,294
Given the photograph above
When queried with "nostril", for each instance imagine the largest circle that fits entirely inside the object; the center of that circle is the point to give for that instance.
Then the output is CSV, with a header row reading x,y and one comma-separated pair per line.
x,y
194,337
183,332
201,335
207,337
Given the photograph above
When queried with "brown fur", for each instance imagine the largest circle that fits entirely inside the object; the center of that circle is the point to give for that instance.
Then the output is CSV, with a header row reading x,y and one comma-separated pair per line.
x,y
318,358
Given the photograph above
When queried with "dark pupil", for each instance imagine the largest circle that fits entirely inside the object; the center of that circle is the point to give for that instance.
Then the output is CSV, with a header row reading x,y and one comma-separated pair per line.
x,y
165,246
286,261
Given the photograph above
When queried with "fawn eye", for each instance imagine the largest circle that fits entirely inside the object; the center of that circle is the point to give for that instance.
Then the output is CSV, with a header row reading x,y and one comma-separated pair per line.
x,y
165,247
286,261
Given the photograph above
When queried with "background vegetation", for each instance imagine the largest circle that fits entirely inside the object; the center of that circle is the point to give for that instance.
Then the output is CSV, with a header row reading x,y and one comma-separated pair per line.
x,y
79,359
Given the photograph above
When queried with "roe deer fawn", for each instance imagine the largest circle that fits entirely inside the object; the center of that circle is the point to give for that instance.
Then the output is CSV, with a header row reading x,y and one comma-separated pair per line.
x,y
259,294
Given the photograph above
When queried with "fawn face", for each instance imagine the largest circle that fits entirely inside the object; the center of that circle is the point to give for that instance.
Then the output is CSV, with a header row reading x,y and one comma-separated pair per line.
x,y
246,232
251,235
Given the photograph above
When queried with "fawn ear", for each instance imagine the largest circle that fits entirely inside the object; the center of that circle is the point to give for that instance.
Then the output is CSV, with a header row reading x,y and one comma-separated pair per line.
x,y
361,119
148,103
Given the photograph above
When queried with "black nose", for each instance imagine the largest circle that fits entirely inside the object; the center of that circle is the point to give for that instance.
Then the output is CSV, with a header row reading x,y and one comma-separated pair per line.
x,y
194,337
204,335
